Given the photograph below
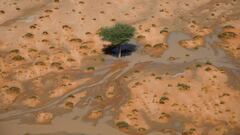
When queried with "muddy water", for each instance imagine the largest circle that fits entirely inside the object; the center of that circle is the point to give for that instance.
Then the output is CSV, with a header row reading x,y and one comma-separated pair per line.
x,y
208,53
66,124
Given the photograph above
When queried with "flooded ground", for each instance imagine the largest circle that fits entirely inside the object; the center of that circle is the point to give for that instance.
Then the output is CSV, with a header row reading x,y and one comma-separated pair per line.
x,y
182,79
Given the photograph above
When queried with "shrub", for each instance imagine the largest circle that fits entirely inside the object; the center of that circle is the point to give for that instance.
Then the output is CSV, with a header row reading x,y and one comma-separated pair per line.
x,y
229,27
183,86
76,40
198,65
18,58
158,78
158,45
91,68
69,104
40,63
122,124
32,50
147,46
142,129
227,35
56,64
13,90
163,31
208,69
163,99
14,51
29,35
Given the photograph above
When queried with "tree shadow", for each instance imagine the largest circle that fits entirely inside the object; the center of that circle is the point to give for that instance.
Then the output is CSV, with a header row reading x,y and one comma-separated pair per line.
x,y
126,50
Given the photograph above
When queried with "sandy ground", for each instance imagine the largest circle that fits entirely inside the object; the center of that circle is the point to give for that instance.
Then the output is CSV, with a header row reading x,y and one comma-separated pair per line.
x,y
51,56
230,36
202,95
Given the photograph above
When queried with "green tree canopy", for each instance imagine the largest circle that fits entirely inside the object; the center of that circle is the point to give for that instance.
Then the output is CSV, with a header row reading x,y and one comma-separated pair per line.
x,y
117,34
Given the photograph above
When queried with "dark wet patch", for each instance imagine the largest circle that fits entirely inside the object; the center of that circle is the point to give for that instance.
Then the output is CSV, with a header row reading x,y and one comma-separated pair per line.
x,y
126,50
175,124
233,78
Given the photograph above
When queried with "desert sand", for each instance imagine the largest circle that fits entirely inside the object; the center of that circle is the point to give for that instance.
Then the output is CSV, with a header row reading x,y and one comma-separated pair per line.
x,y
182,79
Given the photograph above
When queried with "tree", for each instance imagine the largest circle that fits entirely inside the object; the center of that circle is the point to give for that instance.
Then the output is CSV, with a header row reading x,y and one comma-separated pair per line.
x,y
118,34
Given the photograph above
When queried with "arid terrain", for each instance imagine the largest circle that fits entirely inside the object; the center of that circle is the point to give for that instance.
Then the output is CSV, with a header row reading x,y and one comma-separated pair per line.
x,y
183,78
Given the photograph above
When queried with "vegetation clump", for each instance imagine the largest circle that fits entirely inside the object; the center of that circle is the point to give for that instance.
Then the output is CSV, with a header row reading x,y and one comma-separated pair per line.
x,y
91,68
159,45
164,115
189,132
163,31
208,69
122,124
69,104
14,51
229,27
32,50
40,63
18,58
29,35
13,90
158,78
76,40
56,64
142,129
183,86
163,99
147,46
2,12
198,65
227,35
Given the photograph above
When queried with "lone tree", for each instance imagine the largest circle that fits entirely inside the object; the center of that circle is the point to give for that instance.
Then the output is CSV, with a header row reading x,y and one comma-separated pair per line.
x,y
118,35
